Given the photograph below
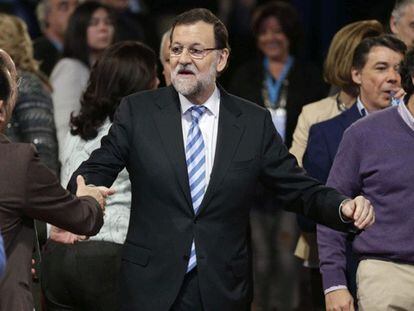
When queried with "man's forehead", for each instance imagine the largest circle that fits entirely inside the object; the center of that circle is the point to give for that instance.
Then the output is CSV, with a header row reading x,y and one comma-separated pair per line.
x,y
197,33
383,53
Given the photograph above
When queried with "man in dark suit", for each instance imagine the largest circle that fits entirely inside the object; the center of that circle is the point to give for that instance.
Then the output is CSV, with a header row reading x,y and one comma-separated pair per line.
x,y
29,190
195,155
53,16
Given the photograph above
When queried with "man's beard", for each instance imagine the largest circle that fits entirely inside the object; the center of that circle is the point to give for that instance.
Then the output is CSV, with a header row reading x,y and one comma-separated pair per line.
x,y
197,83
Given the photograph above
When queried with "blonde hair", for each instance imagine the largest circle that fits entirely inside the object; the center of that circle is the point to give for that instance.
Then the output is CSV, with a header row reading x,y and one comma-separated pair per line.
x,y
15,40
338,62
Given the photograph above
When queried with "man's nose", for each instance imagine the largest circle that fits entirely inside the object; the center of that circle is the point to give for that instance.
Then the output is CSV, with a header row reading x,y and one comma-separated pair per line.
x,y
185,57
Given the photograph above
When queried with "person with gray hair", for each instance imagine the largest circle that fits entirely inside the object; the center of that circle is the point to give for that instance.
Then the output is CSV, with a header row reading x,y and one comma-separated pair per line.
x,y
53,16
402,21
165,56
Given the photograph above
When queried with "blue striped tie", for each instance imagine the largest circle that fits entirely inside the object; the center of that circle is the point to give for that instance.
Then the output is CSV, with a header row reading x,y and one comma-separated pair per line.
x,y
196,160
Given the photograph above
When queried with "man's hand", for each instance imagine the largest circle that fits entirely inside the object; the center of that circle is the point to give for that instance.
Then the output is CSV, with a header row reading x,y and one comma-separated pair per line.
x,y
99,193
339,300
360,211
65,237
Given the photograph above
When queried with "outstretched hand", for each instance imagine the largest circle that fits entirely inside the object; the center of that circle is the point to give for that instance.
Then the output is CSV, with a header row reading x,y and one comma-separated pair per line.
x,y
98,193
360,211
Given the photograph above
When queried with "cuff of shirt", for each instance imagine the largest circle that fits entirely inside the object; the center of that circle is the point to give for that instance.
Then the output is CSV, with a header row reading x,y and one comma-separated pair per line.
x,y
334,288
346,221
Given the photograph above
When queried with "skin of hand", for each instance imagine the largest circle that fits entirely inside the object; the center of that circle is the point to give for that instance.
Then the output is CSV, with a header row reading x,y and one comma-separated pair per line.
x,y
65,237
360,211
99,193
339,300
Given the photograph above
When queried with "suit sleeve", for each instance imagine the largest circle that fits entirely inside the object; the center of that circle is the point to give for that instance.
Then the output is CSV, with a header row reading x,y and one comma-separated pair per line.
x,y
104,164
344,176
317,160
298,192
48,201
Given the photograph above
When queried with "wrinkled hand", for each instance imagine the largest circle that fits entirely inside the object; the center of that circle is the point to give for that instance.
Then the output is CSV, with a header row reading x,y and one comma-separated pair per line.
x,y
360,211
99,193
65,237
399,94
339,300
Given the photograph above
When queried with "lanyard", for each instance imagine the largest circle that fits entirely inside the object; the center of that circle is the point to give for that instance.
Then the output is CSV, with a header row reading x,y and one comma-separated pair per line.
x,y
273,86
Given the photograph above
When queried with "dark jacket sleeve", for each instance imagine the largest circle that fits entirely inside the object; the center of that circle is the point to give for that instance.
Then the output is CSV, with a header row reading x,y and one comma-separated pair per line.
x,y
298,192
2,257
106,162
48,201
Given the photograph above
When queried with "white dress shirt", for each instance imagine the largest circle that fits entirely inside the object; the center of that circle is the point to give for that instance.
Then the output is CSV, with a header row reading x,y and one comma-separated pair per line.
x,y
208,125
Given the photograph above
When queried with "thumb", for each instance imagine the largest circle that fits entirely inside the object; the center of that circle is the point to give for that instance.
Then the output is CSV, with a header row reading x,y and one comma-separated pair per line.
x,y
348,209
80,181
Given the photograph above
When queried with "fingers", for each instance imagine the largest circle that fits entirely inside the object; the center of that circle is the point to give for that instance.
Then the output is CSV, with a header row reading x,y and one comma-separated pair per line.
x,y
348,209
80,181
361,211
106,191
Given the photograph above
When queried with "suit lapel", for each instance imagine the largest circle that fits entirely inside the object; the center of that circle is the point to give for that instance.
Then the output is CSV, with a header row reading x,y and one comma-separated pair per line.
x,y
168,122
350,116
229,133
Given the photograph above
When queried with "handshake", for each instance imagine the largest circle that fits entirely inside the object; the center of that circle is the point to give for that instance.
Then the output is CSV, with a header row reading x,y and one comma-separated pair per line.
x,y
98,193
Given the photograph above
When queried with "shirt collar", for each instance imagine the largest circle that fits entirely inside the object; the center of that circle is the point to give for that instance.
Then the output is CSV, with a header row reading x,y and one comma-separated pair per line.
x,y
406,115
212,103
361,108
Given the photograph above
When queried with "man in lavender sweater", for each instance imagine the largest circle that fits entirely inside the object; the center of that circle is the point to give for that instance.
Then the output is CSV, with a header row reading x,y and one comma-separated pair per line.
x,y
375,159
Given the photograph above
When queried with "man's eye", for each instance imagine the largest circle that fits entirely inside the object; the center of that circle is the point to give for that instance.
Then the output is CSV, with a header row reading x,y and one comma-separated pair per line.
x,y
176,50
196,52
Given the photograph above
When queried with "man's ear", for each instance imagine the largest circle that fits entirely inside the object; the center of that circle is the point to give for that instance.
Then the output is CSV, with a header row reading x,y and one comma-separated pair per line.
x,y
356,76
222,61
393,25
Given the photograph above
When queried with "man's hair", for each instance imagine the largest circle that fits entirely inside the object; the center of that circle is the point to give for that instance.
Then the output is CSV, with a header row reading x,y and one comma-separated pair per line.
x,y
193,16
42,10
407,74
288,18
164,39
363,49
399,8
338,63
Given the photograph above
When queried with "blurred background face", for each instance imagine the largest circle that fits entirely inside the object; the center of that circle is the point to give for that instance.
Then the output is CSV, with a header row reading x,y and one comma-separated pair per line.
x,y
165,60
379,78
100,30
404,26
59,13
272,41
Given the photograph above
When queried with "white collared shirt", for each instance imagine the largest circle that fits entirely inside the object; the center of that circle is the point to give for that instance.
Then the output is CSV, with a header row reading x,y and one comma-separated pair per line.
x,y
208,125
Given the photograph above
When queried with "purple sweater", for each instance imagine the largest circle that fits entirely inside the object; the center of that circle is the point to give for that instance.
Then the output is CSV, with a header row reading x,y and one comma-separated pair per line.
x,y
375,159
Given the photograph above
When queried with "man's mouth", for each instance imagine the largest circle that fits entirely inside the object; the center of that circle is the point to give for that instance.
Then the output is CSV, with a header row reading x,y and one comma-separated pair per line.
x,y
185,72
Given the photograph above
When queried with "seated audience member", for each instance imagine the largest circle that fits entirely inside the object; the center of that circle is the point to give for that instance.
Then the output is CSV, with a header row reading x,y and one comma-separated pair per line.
x,y
123,69
32,119
373,159
53,16
28,189
337,72
401,21
90,31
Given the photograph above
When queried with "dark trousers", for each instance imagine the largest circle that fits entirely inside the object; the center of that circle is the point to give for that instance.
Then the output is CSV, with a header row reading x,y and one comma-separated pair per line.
x,y
82,276
189,297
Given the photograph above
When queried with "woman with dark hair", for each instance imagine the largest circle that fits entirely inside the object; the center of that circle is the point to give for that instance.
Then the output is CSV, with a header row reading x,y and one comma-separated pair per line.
x,y
123,69
90,31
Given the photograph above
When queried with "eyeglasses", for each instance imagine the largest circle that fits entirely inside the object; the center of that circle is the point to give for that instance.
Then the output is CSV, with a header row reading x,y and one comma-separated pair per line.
x,y
196,53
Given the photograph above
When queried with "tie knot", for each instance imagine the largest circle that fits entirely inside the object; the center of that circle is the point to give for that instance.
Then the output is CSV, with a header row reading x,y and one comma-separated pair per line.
x,y
197,112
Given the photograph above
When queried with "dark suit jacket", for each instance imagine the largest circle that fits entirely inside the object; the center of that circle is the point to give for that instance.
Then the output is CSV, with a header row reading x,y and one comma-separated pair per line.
x,y
46,53
323,143
305,86
146,137
29,190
